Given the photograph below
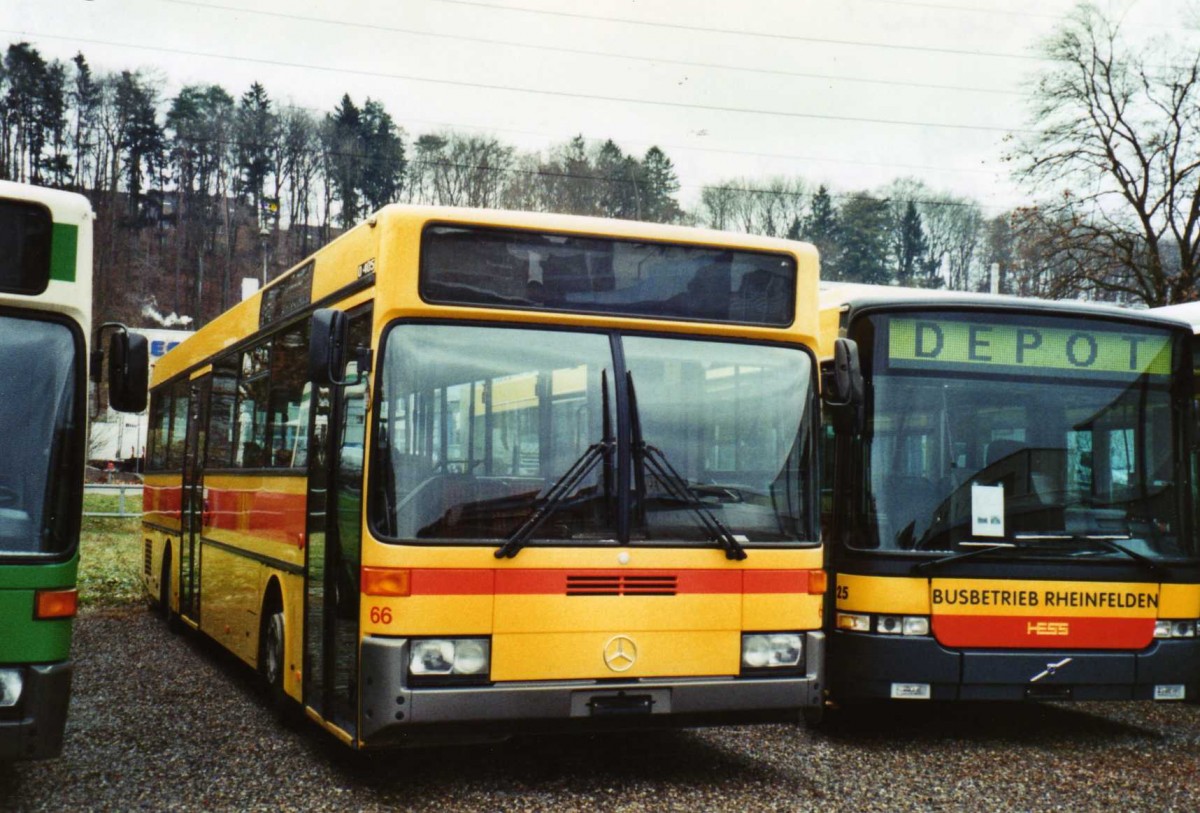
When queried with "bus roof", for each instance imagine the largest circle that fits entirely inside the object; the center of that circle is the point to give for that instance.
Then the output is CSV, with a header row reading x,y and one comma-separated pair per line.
x,y
839,297
1186,311
337,265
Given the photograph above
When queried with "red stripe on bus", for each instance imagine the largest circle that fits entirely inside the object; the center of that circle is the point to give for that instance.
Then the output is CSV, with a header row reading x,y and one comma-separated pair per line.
x,y
1033,632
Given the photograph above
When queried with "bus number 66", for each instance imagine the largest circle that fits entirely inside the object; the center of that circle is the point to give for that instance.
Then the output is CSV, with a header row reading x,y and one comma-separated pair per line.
x,y
381,615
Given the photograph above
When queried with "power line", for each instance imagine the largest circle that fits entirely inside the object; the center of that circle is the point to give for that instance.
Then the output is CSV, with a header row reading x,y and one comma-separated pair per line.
x,y
574,52
537,91
740,32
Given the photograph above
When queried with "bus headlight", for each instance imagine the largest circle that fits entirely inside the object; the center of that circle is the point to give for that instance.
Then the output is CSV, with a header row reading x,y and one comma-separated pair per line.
x,y
449,656
772,650
1175,628
11,684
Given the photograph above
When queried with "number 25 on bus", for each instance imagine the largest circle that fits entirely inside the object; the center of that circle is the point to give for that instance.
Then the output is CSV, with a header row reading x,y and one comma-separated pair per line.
x,y
468,472
1011,513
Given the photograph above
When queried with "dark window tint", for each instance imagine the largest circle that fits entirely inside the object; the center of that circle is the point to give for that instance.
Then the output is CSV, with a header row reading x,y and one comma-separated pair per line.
x,y
159,429
25,236
222,413
512,269
177,434
289,295
289,399
40,444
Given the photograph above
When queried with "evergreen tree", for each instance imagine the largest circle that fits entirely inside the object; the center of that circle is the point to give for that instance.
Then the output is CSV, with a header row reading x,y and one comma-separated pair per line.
x,y
24,136
864,231
821,228
254,130
660,185
85,101
383,157
344,159
911,247
141,142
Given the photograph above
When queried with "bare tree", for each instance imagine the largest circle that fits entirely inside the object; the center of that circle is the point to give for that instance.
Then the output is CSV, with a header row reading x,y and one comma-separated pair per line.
x,y
1116,153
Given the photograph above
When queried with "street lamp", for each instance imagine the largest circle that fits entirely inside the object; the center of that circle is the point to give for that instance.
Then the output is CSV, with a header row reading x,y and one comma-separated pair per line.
x,y
264,233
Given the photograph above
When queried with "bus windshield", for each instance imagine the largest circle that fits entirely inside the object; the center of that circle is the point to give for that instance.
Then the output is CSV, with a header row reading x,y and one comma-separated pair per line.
x,y
1057,434
478,425
37,414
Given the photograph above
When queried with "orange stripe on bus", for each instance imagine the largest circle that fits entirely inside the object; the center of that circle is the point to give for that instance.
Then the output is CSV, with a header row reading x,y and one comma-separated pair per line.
x,y
474,581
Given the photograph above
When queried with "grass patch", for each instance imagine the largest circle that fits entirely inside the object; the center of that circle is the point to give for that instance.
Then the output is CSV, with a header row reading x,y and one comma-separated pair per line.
x,y
110,554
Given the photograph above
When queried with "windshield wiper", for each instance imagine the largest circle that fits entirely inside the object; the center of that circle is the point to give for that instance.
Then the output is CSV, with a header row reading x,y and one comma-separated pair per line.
x,y
565,485
1104,541
983,547
647,457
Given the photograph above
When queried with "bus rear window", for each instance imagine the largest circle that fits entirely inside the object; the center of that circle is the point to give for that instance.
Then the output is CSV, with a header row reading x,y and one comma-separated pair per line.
x,y
529,270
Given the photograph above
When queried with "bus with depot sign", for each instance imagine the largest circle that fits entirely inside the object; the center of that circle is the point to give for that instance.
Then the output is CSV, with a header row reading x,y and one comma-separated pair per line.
x,y
45,320
463,473
1011,512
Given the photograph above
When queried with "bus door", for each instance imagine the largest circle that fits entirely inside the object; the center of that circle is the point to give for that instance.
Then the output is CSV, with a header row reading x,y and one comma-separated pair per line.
x,y
192,505
335,504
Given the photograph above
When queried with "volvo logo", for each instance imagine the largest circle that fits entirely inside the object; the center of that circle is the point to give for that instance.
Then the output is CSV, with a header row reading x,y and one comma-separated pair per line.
x,y
620,653
1051,670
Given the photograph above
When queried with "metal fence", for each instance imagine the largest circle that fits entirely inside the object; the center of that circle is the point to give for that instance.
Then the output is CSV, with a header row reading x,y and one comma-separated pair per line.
x,y
121,490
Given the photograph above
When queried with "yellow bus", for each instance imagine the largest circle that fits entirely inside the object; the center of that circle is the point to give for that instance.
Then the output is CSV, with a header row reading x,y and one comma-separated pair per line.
x,y
1011,513
465,473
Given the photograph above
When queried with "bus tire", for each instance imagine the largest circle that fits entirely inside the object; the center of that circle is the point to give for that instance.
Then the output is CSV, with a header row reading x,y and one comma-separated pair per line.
x,y
271,664
174,623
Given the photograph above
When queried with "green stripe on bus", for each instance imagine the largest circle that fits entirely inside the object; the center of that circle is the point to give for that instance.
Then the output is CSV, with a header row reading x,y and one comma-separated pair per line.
x,y
25,639
64,242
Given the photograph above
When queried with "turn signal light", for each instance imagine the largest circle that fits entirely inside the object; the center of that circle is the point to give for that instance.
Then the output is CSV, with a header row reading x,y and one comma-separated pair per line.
x,y
818,582
55,604
386,581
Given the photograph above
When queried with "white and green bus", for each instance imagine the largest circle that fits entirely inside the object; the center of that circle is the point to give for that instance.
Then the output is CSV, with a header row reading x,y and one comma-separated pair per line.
x,y
45,324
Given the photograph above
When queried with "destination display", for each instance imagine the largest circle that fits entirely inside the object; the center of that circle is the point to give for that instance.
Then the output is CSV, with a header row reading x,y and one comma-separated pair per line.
x,y
951,343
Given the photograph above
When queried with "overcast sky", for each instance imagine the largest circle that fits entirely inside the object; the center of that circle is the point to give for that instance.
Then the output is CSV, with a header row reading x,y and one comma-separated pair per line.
x,y
852,93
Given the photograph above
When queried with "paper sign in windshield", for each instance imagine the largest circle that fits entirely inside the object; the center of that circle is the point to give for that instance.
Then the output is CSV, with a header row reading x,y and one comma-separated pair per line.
x,y
987,510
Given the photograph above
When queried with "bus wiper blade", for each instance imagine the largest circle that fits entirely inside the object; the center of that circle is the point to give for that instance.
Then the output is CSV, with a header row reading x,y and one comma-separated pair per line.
x,y
675,484
1107,542
565,485
983,547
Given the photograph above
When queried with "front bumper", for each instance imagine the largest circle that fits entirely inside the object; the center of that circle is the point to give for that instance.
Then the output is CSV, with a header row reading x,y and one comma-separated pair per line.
x,y
33,729
394,713
866,667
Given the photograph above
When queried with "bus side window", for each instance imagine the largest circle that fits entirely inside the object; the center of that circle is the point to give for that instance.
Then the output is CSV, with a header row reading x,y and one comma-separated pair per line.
x,y
222,412
177,435
252,407
160,418
289,399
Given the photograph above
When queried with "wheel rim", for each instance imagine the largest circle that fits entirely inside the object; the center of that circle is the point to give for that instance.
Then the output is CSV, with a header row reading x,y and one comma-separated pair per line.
x,y
274,660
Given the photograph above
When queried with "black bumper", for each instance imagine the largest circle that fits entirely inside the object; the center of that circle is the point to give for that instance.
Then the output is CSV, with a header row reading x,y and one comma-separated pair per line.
x,y
865,667
395,713
33,729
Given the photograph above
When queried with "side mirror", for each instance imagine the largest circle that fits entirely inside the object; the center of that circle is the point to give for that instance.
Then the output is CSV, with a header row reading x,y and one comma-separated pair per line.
x,y
327,347
128,371
844,392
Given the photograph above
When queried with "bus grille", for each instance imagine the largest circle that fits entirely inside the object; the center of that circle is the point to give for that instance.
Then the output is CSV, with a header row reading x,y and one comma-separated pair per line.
x,y
147,556
621,585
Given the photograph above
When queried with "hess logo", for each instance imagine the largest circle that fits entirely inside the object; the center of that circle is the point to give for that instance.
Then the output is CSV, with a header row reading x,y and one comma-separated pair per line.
x,y
1048,628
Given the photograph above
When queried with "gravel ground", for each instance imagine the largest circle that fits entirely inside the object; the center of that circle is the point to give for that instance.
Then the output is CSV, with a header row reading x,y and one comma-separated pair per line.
x,y
166,723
